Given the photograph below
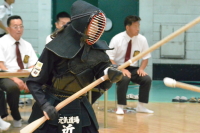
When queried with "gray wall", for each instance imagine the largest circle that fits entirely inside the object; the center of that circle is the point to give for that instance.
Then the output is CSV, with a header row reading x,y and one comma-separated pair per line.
x,y
155,13
146,26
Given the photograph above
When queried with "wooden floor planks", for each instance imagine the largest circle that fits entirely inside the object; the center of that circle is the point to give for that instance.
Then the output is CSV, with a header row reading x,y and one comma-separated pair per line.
x,y
168,118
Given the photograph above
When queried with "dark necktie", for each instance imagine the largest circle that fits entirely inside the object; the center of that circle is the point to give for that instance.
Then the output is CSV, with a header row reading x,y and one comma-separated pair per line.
x,y
19,59
128,51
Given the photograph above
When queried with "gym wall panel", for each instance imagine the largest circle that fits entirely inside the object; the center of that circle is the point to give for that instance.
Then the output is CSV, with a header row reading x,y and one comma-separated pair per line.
x,y
117,10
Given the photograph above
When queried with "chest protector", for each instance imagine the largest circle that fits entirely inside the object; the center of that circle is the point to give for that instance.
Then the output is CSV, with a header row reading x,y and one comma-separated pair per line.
x,y
71,75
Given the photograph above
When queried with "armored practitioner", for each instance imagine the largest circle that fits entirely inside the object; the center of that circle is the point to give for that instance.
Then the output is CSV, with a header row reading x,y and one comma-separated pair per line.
x,y
71,61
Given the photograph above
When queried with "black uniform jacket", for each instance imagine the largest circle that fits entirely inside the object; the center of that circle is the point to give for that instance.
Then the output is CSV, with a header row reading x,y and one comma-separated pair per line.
x,y
97,63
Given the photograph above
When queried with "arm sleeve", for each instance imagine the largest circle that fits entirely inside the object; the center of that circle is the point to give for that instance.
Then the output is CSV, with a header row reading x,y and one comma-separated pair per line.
x,y
145,47
2,57
35,83
48,39
33,57
99,72
2,12
111,53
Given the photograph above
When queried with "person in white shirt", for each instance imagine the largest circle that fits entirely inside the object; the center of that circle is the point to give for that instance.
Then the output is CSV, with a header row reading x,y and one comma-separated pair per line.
x,y
8,61
5,12
61,19
134,72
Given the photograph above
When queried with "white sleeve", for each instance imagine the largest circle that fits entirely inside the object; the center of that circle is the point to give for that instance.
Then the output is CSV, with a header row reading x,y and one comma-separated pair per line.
x,y
33,57
48,39
2,57
2,11
145,47
111,53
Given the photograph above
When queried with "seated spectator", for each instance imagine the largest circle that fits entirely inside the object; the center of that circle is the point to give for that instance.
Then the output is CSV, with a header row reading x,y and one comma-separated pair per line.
x,y
126,45
15,54
61,19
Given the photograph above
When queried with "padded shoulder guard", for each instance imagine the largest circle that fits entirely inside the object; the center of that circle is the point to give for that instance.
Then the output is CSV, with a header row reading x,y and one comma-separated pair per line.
x,y
95,57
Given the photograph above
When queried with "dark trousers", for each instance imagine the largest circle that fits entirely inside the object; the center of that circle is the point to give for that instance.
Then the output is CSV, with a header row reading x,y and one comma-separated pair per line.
x,y
12,95
3,108
122,86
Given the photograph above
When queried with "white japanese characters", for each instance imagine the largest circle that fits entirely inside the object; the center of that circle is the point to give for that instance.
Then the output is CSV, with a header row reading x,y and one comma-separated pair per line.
x,y
70,121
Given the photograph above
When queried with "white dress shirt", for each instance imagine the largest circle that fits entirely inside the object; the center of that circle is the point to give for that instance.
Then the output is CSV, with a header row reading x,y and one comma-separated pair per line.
x,y
120,43
8,52
5,13
48,39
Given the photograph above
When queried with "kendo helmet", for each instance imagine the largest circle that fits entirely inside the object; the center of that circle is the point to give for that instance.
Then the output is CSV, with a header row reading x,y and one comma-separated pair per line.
x,y
86,27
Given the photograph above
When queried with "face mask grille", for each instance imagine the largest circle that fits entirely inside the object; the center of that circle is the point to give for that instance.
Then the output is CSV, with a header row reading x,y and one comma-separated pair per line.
x,y
95,28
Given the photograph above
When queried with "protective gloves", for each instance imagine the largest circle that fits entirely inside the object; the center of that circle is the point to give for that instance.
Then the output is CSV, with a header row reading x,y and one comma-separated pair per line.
x,y
114,74
50,110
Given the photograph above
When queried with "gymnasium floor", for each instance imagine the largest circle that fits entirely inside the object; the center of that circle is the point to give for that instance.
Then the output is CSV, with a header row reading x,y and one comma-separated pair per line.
x,y
168,117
